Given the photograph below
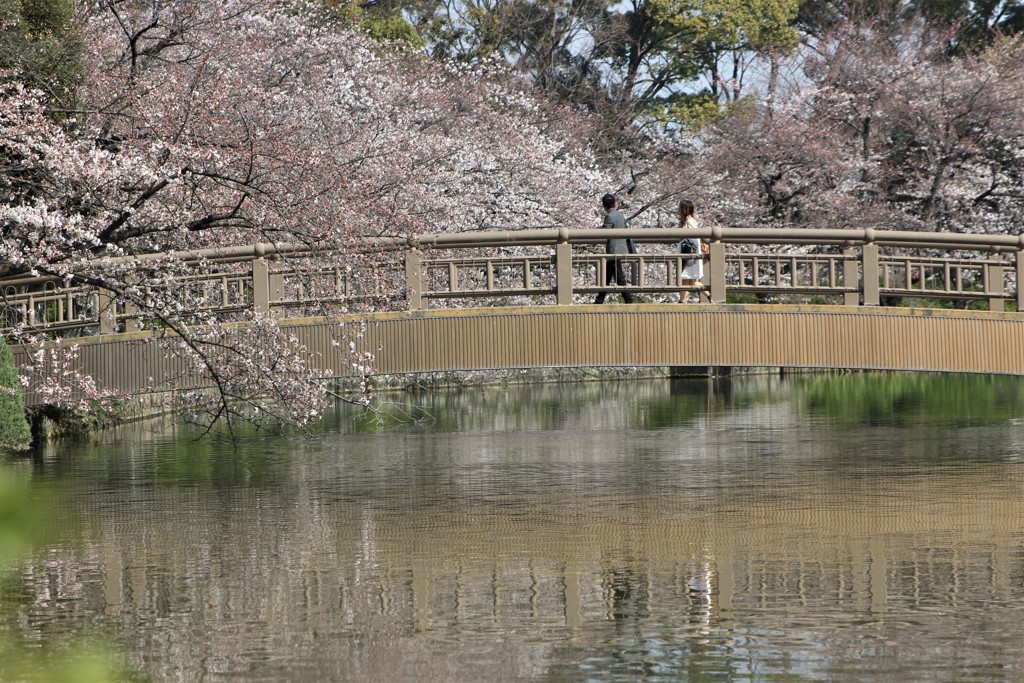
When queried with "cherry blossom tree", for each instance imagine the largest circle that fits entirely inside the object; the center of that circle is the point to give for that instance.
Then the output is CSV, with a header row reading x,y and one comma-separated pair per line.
x,y
207,123
884,128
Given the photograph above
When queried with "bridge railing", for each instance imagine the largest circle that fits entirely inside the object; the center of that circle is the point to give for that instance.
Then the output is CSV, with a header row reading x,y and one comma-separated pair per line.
x,y
44,304
767,263
559,266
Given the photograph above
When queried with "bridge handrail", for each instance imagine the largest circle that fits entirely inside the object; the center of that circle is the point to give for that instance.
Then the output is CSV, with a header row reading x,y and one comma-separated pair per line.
x,y
553,236
822,236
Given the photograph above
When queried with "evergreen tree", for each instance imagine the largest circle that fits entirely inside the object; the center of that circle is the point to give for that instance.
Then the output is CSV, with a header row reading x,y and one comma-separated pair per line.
x,y
41,46
14,428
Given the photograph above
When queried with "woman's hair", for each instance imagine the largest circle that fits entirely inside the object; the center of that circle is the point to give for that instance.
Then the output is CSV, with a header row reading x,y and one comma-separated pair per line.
x,y
686,209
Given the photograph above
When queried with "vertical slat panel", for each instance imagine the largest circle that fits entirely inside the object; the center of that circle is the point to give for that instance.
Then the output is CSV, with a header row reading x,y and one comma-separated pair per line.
x,y
619,335
671,336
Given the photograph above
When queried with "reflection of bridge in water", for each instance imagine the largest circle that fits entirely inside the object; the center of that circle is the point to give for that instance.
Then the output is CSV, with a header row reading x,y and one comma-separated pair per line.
x,y
704,563
479,301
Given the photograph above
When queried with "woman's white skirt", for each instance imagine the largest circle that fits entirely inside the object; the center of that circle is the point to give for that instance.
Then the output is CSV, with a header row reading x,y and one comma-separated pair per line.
x,y
693,269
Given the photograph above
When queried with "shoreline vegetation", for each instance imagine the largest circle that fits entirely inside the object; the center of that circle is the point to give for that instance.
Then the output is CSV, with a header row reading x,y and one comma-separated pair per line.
x,y
52,426
49,427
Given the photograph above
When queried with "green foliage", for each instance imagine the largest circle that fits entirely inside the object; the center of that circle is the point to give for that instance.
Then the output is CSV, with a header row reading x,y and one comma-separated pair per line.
x,y
382,22
689,112
721,25
44,17
391,29
21,515
40,45
81,663
913,302
817,17
981,23
976,24
706,32
666,48
14,428
75,423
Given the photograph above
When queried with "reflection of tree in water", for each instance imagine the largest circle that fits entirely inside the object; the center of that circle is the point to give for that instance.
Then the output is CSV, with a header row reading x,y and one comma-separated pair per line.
x,y
868,399
911,398
628,404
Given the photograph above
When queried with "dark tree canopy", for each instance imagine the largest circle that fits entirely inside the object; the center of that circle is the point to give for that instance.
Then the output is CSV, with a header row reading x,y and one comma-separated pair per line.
x,y
40,45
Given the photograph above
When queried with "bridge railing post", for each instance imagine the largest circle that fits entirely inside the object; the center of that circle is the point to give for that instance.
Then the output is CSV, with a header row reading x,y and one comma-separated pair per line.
x,y
414,278
261,285
717,267
869,268
563,269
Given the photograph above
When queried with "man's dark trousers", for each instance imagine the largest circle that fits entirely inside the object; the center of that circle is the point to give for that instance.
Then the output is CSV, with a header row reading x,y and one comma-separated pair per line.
x,y
614,273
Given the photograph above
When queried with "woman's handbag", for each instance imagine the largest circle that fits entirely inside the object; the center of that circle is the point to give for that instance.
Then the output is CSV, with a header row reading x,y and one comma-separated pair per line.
x,y
689,245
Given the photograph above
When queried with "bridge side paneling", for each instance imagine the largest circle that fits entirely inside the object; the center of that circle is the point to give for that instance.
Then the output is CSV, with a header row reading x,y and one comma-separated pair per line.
x,y
124,363
653,335
591,336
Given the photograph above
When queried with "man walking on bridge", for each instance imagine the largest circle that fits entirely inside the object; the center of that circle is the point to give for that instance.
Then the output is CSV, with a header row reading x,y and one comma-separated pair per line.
x,y
613,218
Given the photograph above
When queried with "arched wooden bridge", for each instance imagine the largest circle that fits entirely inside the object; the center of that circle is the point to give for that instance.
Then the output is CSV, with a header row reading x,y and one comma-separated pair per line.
x,y
813,299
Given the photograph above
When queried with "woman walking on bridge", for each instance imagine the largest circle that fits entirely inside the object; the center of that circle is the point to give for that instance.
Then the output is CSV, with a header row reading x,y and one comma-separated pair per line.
x,y
693,268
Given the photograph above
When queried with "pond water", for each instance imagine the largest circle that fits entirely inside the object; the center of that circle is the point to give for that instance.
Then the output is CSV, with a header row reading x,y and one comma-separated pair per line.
x,y
847,527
